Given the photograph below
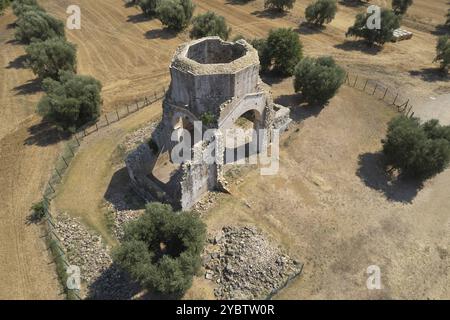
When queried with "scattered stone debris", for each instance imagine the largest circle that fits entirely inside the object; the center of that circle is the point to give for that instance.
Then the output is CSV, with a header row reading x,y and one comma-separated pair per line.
x,y
84,249
103,279
121,218
136,138
206,202
246,265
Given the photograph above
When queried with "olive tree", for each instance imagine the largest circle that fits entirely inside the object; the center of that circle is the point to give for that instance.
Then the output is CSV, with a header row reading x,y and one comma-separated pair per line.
x,y
417,150
175,14
321,11
279,5
443,52
47,58
210,24
280,52
319,79
401,6
72,101
372,35
38,25
161,249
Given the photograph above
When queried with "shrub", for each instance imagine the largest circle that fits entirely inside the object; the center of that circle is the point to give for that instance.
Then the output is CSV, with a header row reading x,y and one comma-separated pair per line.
x,y
401,6
320,12
38,211
210,24
71,102
3,5
279,5
280,52
161,250
318,79
175,14
443,52
419,151
38,25
47,58
390,22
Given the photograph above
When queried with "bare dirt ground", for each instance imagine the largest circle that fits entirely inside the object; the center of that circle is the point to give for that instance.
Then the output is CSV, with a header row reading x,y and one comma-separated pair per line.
x,y
130,55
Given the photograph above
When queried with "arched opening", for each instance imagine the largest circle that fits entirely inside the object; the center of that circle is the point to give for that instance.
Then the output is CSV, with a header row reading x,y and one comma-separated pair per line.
x,y
241,141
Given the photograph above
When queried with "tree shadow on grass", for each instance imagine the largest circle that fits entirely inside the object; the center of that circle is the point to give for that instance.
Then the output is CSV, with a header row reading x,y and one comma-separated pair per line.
x,y
307,28
441,30
430,74
18,63
359,45
164,33
269,13
300,110
45,134
30,87
271,77
372,171
138,18
353,3
120,194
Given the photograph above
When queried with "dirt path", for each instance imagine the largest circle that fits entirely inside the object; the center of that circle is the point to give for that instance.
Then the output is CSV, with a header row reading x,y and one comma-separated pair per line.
x,y
26,271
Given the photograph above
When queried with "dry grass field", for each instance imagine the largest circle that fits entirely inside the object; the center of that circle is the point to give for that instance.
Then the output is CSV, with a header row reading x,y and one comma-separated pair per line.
x,y
325,213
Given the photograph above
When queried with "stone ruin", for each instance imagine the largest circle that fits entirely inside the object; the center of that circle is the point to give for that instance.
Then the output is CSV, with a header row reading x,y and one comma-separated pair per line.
x,y
218,83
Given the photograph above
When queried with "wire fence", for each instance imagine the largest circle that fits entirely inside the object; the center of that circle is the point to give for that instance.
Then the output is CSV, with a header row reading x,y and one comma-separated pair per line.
x,y
53,242
382,92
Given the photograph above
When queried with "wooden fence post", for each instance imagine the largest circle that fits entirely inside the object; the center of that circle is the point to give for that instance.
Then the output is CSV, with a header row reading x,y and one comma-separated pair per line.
x,y
375,89
106,117
393,103
65,161
356,80
365,85
385,93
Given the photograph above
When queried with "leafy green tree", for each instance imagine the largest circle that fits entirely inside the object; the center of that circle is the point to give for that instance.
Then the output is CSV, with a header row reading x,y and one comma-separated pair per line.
x,y
280,52
3,5
47,58
161,250
21,6
264,58
72,101
175,14
319,79
148,7
443,52
389,23
279,5
321,11
38,25
419,151
210,24
401,6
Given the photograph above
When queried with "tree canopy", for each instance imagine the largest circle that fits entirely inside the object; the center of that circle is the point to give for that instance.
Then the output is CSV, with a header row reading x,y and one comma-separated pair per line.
x,y
72,101
389,23
443,52
401,6
38,25
321,11
280,52
210,24
161,249
279,5
418,150
175,14
318,79
47,58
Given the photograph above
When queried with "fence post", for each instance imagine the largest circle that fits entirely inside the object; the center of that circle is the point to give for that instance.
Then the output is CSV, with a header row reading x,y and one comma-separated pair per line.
x,y
57,172
356,80
375,89
50,184
117,112
65,161
96,126
393,103
76,138
364,89
106,117
385,93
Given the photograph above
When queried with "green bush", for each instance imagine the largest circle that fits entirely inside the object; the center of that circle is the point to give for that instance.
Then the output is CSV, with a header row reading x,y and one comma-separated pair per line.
x,y
389,23
175,14
47,58
38,211
319,79
71,102
210,24
279,5
418,150
401,6
280,52
321,11
38,25
161,250
443,52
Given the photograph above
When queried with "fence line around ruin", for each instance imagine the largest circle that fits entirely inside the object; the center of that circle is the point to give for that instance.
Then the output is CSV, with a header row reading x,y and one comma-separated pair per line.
x,y
63,161
382,92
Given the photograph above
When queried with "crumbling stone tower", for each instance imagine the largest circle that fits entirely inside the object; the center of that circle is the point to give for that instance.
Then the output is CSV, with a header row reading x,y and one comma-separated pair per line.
x,y
215,82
